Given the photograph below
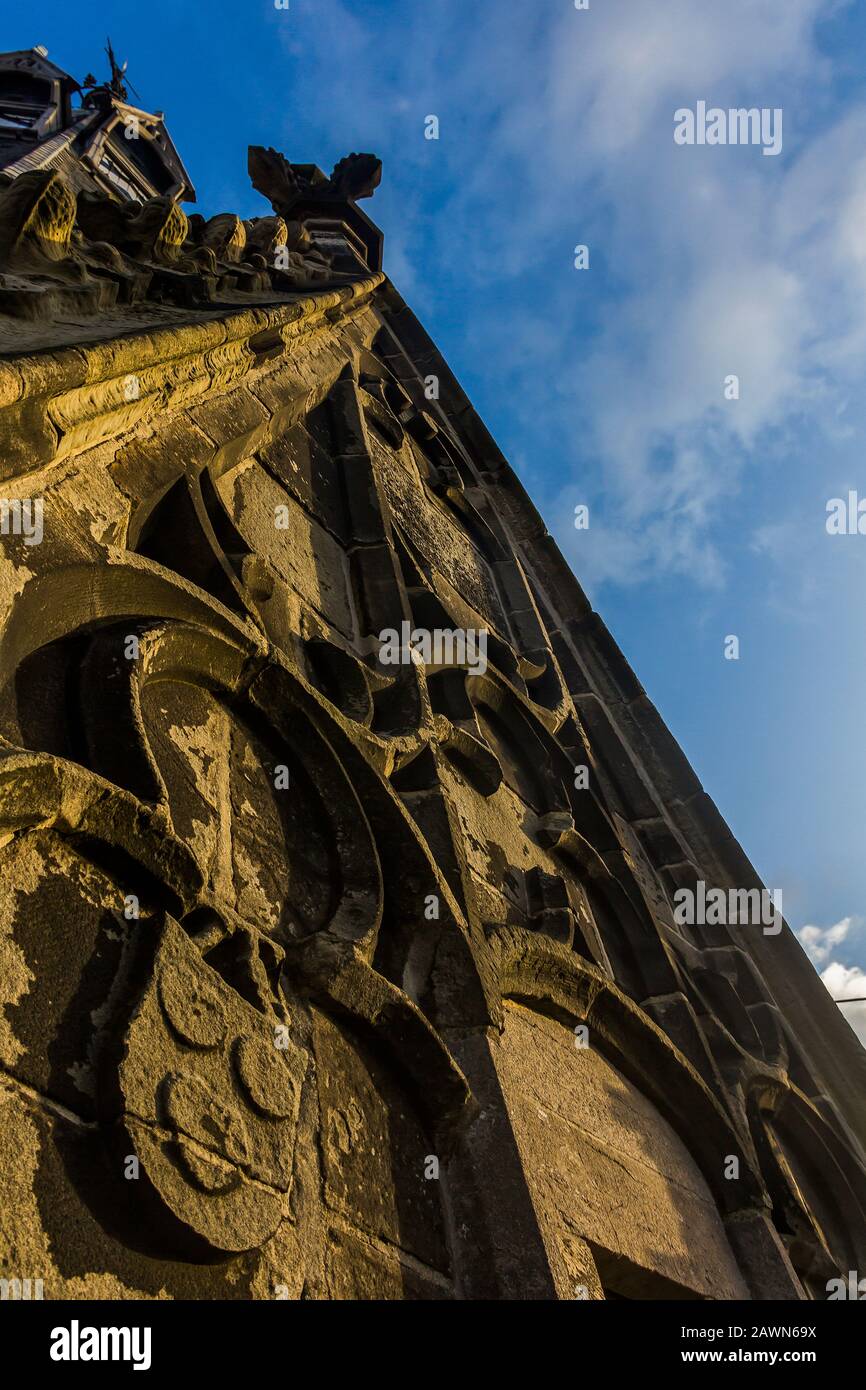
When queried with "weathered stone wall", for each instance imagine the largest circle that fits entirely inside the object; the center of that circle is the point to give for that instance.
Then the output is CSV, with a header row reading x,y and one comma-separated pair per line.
x,y
294,940
606,1169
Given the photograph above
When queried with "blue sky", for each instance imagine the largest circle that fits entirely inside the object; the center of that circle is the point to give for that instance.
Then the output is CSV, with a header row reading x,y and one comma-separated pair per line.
x,y
606,386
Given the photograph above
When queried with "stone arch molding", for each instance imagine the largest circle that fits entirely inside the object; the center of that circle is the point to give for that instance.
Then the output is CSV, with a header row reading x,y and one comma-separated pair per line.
x,y
183,1073
816,1186
797,1177
541,974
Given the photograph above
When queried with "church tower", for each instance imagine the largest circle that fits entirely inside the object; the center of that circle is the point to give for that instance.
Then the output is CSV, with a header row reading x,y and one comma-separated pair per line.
x,y
364,931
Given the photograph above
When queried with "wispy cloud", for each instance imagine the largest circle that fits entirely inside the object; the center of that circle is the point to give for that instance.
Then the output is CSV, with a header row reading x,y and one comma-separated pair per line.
x,y
820,942
709,261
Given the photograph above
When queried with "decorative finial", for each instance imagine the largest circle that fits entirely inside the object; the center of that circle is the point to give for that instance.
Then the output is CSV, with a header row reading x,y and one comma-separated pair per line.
x,y
116,84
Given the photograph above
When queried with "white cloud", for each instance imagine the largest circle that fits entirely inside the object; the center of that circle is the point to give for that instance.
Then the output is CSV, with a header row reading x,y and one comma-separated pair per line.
x,y
848,982
819,942
842,981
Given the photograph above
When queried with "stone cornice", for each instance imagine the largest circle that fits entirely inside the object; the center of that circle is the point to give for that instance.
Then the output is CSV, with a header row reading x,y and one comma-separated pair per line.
x,y
52,405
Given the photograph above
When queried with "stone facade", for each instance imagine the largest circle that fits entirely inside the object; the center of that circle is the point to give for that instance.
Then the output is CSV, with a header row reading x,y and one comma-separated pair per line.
x,y
325,975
